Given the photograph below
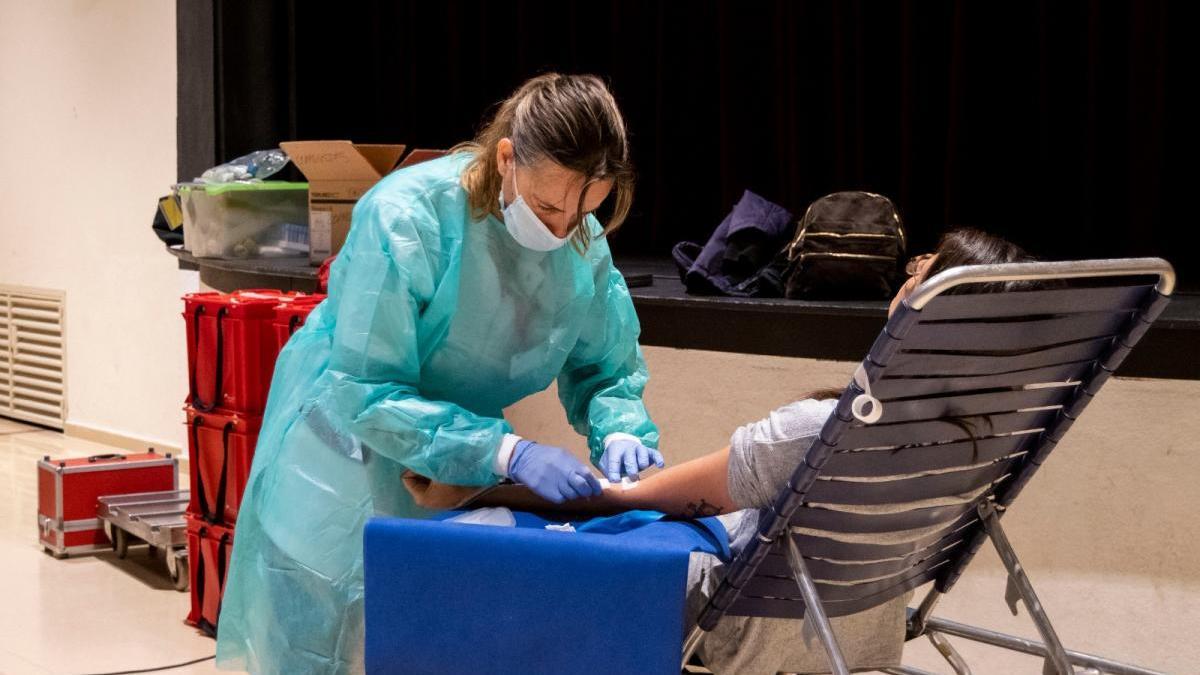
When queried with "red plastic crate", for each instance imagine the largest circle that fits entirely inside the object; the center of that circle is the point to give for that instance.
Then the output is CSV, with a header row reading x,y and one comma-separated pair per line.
x,y
220,453
209,548
290,315
231,349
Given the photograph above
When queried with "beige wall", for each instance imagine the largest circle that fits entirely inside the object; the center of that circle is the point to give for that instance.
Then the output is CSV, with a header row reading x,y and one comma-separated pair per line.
x,y
87,127
1108,529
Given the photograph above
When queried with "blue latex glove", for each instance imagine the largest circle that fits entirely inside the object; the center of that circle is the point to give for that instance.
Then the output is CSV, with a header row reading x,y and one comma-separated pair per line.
x,y
628,456
553,473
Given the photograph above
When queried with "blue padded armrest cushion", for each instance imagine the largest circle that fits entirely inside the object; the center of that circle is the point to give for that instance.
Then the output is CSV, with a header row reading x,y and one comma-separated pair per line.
x,y
447,597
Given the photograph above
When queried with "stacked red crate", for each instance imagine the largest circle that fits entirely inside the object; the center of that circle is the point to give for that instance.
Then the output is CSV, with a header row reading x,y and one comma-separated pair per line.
x,y
290,316
220,464
209,548
231,349
233,341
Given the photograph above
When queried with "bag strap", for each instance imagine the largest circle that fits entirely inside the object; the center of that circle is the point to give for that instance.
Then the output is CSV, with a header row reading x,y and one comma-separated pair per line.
x,y
222,543
197,402
213,516
198,589
220,510
221,572
801,229
200,493
685,254
200,569
203,624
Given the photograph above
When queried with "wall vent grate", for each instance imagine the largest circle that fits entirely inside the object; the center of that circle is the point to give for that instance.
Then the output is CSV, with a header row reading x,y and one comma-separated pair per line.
x,y
32,356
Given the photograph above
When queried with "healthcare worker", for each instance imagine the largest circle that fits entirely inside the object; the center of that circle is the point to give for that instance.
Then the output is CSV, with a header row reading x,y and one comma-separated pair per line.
x,y
466,284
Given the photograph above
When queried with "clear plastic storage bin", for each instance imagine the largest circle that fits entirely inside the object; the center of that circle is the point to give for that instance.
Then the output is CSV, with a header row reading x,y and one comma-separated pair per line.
x,y
245,220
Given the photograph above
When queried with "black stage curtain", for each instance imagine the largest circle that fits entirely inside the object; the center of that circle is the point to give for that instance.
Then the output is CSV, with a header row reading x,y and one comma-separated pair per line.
x,y
1066,126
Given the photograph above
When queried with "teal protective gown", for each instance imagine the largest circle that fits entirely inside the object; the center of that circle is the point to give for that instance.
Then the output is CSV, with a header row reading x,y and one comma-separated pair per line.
x,y
434,323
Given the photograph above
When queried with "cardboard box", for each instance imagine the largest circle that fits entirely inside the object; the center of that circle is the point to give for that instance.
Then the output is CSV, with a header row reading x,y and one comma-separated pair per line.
x,y
338,173
419,155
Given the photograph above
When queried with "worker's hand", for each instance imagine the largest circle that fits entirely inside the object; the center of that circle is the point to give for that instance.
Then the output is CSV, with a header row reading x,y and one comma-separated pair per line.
x,y
553,473
628,456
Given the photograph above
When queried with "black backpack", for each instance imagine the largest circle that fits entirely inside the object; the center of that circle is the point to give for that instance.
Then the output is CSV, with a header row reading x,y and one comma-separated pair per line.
x,y
848,245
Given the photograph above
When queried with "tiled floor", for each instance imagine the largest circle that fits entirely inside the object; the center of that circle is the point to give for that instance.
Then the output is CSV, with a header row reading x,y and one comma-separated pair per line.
x,y
86,614
98,614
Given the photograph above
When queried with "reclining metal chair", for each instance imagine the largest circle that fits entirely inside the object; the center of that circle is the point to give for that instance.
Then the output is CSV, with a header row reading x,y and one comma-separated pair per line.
x,y
962,395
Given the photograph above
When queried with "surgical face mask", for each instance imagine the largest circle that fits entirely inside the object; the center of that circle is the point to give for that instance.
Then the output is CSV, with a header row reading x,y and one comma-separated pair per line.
x,y
524,225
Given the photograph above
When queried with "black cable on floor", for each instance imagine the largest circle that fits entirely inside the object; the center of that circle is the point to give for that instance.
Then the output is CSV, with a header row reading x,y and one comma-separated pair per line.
x,y
155,670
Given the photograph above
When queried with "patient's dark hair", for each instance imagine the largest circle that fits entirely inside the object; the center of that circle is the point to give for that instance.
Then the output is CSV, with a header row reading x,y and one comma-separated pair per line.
x,y
958,247
969,246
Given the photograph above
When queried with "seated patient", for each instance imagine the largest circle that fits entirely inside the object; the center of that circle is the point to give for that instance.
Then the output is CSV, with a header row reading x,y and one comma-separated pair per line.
x,y
733,483
762,456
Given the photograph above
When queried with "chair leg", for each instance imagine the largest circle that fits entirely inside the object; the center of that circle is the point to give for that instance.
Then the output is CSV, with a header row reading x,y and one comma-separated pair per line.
x,y
948,651
1057,655
905,670
814,612
918,619
1034,648
691,644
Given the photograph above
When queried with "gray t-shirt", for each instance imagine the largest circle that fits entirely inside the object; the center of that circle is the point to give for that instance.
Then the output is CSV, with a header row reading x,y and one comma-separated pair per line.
x,y
763,454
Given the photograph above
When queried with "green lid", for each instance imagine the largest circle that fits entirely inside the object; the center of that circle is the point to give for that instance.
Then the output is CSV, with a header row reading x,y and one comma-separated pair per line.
x,y
222,188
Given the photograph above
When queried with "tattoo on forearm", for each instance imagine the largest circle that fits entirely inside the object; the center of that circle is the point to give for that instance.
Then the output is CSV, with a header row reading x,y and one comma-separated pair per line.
x,y
701,510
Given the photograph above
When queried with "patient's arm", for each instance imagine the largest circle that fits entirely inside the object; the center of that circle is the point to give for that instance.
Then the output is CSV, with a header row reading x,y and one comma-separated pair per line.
x,y
693,489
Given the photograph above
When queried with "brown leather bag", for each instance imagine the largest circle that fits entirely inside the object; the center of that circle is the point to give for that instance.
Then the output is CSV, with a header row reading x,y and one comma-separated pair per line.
x,y
848,245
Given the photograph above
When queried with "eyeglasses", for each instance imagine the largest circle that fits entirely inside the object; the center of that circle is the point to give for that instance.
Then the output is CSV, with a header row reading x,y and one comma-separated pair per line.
x,y
914,264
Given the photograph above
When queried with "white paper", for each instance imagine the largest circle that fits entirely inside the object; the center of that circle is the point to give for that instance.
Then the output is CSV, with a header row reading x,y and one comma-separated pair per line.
x,y
320,232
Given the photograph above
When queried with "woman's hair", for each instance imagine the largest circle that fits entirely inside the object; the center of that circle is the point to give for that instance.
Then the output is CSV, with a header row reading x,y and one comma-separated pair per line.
x,y
958,247
571,120
969,246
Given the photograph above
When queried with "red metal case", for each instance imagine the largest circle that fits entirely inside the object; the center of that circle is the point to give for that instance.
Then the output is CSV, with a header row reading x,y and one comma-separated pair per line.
x,y
220,452
69,490
209,549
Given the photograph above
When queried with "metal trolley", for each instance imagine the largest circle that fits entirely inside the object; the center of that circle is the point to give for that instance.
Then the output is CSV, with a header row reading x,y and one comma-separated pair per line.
x,y
155,518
